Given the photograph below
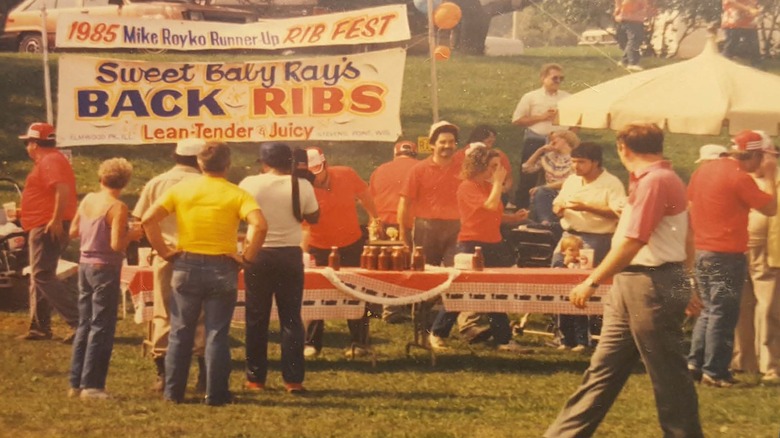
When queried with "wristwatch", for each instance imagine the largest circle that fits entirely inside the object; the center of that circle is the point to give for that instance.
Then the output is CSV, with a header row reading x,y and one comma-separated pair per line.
x,y
593,285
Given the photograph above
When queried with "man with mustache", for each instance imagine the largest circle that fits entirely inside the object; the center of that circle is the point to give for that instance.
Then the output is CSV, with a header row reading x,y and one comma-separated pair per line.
x,y
428,205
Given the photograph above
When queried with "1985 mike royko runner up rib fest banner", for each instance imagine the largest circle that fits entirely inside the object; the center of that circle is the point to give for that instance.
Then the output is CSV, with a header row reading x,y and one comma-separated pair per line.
x,y
372,25
347,97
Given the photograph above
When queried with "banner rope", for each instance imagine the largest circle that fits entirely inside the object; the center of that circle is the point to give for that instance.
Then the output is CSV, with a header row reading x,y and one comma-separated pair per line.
x,y
452,274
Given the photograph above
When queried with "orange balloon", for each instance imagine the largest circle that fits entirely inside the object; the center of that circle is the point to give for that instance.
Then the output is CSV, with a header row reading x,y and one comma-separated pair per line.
x,y
447,15
441,53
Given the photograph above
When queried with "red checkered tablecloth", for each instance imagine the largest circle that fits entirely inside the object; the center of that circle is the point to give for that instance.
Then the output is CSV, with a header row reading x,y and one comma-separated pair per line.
x,y
511,290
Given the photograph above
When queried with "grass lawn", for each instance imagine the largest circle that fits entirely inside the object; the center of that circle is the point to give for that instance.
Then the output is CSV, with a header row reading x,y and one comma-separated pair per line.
x,y
474,391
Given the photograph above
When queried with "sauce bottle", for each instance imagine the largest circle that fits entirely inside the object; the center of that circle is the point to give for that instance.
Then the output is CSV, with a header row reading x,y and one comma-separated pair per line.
x,y
399,264
385,261
418,259
478,260
334,259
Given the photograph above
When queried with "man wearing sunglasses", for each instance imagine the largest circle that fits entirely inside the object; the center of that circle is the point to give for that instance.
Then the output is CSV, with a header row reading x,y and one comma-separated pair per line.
x,y
537,111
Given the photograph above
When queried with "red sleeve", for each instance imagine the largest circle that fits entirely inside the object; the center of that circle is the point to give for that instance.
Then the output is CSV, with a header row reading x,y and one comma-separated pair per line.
x,y
356,182
648,207
749,193
409,186
54,170
372,183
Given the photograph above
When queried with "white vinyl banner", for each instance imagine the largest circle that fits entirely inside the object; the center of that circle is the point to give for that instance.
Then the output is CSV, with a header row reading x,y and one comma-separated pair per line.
x,y
347,97
103,31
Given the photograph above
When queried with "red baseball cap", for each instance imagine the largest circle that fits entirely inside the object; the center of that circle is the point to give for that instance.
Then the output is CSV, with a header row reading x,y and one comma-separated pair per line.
x,y
405,147
39,131
748,140
316,159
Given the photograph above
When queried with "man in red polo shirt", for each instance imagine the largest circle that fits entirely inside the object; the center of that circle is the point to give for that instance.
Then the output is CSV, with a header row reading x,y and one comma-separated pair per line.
x,y
721,194
385,187
644,309
428,205
48,206
336,189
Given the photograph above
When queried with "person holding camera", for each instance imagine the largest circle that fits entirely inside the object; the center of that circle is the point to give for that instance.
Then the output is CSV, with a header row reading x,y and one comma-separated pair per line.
x,y
284,192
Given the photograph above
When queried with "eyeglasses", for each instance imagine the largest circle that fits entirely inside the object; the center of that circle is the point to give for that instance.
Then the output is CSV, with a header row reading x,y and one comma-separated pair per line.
x,y
558,78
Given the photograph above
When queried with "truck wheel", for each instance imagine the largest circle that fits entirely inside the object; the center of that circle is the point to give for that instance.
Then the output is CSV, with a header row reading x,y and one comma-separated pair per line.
x,y
31,43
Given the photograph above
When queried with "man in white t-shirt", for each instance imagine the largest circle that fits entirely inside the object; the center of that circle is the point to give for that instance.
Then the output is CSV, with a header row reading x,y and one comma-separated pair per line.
x,y
588,204
590,200
277,270
537,111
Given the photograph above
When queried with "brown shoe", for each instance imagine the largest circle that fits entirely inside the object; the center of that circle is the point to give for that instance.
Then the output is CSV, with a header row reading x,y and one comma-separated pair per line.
x,y
69,338
35,335
295,388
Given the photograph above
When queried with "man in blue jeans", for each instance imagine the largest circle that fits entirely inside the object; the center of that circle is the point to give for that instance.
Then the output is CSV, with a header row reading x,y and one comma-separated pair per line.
x,y
208,210
630,16
721,194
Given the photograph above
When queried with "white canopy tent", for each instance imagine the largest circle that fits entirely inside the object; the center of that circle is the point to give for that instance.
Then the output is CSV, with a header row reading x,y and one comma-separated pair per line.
x,y
697,96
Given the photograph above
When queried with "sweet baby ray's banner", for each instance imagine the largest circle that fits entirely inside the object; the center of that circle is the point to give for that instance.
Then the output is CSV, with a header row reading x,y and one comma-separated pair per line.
x,y
372,25
346,97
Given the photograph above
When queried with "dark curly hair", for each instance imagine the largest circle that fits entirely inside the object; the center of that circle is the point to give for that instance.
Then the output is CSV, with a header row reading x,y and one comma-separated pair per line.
x,y
477,161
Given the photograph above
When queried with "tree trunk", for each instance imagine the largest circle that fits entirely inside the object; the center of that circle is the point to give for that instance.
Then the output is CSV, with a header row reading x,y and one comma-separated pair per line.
x,y
472,30
470,34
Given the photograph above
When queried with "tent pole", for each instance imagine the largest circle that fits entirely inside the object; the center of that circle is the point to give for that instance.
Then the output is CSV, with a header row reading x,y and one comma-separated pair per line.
x,y
46,74
431,50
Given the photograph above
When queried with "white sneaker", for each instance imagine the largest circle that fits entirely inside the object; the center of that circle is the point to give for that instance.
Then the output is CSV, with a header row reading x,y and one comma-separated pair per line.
x,y
93,394
514,347
74,392
310,351
634,68
436,342
578,349
510,206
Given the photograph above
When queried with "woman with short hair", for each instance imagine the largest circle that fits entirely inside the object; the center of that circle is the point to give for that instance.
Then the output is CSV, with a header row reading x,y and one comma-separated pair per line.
x,y
101,222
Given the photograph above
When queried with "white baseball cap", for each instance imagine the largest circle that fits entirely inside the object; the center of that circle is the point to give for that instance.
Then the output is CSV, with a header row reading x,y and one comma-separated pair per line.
x,y
711,152
316,159
189,147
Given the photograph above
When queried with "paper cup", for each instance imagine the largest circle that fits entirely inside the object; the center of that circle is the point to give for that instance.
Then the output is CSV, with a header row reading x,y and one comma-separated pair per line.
x,y
10,210
586,258
143,255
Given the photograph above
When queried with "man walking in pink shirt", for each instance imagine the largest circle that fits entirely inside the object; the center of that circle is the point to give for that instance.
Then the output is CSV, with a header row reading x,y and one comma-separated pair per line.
x,y
645,307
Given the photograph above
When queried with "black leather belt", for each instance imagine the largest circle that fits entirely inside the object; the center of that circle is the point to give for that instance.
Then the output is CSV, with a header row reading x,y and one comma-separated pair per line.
x,y
641,268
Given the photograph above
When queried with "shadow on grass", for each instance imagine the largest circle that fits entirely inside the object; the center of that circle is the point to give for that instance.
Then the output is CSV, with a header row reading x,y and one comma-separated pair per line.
x,y
128,340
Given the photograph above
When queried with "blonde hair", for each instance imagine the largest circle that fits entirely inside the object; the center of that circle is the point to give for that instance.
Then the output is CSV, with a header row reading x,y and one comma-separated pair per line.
x,y
115,173
571,242
569,137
